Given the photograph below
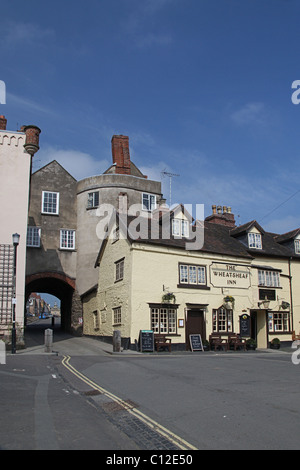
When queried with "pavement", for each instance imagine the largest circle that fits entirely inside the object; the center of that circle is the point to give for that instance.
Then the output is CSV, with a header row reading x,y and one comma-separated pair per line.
x,y
85,396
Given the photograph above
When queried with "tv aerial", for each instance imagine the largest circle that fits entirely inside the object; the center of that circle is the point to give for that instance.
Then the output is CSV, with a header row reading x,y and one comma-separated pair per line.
x,y
170,175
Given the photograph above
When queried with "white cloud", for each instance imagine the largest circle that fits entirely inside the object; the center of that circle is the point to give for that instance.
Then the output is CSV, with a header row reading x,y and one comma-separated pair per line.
x,y
16,33
283,225
28,104
250,113
139,24
79,164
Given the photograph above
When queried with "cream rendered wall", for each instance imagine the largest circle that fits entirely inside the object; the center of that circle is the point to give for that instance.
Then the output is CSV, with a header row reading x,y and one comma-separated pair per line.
x,y
282,293
154,268
111,293
15,165
295,273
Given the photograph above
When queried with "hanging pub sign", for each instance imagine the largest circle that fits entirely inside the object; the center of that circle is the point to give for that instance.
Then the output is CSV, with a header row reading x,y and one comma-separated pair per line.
x,y
230,275
245,325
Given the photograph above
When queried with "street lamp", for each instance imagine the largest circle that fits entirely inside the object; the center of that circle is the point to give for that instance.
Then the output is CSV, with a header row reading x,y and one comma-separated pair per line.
x,y
16,240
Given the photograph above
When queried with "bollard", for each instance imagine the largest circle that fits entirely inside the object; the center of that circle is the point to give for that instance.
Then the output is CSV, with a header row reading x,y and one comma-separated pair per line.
x,y
2,352
117,341
48,340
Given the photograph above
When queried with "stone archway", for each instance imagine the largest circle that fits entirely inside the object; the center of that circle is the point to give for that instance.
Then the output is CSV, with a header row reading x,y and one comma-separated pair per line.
x,y
63,287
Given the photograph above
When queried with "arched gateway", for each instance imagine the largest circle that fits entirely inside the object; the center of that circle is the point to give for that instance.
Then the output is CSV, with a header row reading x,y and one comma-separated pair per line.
x,y
63,287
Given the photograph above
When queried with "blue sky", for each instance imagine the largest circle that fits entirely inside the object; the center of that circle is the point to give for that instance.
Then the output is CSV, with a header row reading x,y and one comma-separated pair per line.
x,y
201,87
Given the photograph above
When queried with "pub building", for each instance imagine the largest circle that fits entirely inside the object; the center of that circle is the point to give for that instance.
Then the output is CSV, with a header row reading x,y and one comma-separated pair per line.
x,y
242,280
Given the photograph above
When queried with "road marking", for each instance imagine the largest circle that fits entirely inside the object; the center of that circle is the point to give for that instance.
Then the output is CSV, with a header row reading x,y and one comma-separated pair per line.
x,y
181,443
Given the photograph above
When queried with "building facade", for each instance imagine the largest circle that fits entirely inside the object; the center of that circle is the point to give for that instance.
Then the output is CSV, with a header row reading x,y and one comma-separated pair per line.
x,y
241,276
63,229
16,152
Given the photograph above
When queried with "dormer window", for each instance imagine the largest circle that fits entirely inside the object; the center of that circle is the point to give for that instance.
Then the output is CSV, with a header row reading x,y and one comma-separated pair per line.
x,y
180,228
149,202
254,240
297,246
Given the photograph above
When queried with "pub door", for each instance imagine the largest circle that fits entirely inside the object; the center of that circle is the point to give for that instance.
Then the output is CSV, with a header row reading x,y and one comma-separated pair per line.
x,y
195,324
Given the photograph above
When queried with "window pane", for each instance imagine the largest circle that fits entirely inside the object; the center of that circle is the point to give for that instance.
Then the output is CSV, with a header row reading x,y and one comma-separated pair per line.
x,y
183,274
50,202
176,227
185,228
193,274
172,321
67,239
163,320
201,275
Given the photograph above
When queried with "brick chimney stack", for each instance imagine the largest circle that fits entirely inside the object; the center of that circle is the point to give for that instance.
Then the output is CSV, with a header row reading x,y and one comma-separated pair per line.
x,y
3,123
120,154
225,218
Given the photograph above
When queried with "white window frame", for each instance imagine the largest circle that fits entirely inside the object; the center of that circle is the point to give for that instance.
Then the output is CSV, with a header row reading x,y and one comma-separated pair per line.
x,y
117,316
67,239
180,227
297,246
192,275
50,212
148,202
33,237
163,320
279,322
268,278
119,267
254,240
222,320
93,199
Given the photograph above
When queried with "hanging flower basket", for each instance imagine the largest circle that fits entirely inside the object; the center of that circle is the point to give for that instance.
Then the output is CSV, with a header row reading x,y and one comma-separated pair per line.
x,y
284,305
168,298
228,302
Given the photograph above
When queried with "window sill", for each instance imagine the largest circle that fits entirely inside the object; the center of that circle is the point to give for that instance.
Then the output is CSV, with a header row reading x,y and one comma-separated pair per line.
x,y
192,286
49,213
67,250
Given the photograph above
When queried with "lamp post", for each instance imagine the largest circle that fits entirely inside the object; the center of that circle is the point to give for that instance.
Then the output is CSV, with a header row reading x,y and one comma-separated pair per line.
x,y
16,239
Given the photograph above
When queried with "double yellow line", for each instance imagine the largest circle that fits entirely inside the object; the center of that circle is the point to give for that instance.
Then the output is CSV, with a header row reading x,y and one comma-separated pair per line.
x,y
178,441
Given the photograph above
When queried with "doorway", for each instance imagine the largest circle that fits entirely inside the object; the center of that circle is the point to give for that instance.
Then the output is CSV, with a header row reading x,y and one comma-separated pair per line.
x,y
195,324
259,327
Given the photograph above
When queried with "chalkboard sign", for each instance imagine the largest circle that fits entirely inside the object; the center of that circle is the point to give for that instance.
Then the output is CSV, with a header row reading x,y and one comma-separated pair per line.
x,y
146,341
245,325
196,343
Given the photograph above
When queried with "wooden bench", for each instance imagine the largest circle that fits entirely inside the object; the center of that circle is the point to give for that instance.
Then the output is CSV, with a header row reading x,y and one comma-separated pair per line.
x,y
236,341
216,341
160,341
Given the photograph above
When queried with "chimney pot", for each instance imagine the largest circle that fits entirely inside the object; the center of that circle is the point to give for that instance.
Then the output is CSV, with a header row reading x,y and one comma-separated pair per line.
x,y
219,209
214,209
32,139
224,209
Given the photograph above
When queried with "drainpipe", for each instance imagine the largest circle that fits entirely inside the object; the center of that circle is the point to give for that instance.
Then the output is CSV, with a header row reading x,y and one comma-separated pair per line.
x,y
291,292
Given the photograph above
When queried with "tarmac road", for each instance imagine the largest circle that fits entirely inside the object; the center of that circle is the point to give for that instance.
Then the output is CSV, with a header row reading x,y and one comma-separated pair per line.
x,y
84,396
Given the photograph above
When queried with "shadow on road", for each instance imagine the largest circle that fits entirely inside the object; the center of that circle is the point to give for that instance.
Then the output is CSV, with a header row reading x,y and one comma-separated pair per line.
x,y
35,332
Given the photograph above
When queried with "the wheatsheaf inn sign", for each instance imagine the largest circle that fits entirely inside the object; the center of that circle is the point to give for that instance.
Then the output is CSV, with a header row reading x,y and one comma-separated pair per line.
x,y
229,275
